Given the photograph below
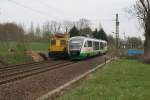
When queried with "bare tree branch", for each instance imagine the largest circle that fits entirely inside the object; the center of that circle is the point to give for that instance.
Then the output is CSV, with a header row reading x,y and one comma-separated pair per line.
x,y
143,4
148,4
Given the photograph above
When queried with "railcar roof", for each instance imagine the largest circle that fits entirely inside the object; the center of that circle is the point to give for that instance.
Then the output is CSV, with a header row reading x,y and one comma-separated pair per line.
x,y
82,37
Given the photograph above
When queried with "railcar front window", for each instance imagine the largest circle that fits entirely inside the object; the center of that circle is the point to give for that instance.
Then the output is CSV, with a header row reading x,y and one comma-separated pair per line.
x,y
75,44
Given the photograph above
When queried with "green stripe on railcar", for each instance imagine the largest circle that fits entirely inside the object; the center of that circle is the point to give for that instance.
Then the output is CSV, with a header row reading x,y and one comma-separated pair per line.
x,y
88,54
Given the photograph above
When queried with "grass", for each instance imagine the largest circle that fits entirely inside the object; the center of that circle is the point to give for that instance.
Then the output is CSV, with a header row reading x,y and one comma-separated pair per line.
x,y
16,58
36,46
19,56
39,46
120,80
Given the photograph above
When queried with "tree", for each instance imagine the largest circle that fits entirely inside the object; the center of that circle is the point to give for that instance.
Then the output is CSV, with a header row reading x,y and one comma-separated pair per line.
x,y
31,33
47,28
111,40
83,23
86,32
11,32
51,27
55,27
134,42
100,34
111,43
142,9
38,33
67,26
74,32
103,35
95,33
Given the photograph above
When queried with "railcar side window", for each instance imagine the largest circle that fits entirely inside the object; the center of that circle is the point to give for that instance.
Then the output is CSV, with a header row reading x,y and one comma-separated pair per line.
x,y
63,42
89,43
101,45
96,45
105,44
86,44
53,42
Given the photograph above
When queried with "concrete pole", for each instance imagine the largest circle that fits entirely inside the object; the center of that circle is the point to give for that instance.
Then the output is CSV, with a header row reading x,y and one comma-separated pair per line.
x,y
117,31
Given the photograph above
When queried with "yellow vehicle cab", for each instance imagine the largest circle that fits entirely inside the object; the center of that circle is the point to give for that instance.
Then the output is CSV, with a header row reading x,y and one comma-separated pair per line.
x,y
58,44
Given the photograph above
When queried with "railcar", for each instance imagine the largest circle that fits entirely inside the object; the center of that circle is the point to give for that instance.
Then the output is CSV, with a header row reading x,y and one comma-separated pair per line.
x,y
82,47
58,45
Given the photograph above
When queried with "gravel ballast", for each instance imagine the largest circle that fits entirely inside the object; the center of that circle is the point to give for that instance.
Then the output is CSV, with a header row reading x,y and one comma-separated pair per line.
x,y
35,86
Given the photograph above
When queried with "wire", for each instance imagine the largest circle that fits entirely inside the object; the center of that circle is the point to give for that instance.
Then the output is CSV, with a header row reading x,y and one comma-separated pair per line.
x,y
34,10
49,6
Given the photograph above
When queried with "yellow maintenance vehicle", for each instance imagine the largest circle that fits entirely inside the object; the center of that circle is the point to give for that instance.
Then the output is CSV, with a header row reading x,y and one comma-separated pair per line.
x,y
58,45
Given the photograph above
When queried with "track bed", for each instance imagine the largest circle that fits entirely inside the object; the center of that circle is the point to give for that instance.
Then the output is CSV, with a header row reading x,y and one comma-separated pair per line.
x,y
36,85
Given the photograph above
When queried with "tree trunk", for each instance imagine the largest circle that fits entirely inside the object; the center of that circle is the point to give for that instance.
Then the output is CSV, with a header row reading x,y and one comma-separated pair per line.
x,y
147,40
147,50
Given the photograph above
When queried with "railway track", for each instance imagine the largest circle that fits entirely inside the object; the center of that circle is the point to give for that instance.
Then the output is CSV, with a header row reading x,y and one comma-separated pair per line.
x,y
15,73
10,67
26,66
36,82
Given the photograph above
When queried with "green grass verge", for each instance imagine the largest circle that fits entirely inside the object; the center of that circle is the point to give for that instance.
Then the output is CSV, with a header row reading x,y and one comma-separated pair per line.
x,y
18,56
36,46
39,46
120,80
15,58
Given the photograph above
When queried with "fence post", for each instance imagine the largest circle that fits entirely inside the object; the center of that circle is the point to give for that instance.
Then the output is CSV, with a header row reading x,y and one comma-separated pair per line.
x,y
105,59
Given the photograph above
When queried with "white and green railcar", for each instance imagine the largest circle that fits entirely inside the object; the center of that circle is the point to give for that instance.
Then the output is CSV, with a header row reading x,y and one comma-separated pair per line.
x,y
82,47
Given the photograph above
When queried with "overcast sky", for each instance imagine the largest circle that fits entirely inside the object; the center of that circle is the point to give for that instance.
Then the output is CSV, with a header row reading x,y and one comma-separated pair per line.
x,y
98,11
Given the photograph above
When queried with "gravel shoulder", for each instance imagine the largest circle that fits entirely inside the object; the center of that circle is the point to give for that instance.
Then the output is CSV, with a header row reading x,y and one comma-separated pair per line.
x,y
32,87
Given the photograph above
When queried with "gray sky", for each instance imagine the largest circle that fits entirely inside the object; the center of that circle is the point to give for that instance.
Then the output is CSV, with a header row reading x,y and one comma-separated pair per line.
x,y
98,11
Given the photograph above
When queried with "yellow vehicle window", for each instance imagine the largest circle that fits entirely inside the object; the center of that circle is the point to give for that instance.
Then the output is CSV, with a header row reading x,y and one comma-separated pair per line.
x,y
63,42
53,42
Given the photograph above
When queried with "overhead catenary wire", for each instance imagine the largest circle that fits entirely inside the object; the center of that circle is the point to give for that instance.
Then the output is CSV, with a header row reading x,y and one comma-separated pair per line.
x,y
32,9
49,6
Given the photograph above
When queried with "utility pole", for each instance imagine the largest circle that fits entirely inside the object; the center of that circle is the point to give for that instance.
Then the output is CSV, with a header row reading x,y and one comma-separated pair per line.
x,y
124,35
117,31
